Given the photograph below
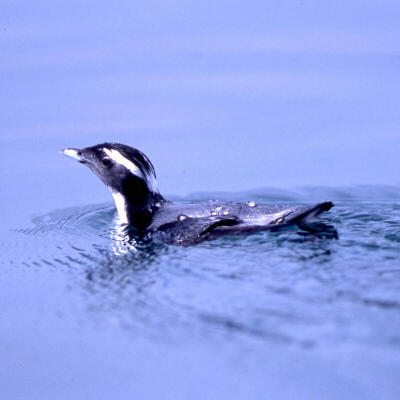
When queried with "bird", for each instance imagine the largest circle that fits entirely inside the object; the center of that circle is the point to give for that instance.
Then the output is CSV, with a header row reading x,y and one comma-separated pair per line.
x,y
130,176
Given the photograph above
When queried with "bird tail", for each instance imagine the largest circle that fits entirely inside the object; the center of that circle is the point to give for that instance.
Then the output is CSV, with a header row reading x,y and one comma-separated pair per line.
x,y
307,220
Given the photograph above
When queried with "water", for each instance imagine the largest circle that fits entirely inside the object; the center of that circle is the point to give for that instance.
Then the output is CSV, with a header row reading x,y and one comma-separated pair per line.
x,y
223,97
241,317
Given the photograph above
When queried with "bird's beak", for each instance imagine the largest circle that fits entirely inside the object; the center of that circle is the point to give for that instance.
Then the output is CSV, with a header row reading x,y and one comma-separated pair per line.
x,y
75,154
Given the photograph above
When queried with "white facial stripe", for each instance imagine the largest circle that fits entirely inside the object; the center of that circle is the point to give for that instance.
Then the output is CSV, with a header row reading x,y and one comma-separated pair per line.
x,y
121,207
120,159
152,184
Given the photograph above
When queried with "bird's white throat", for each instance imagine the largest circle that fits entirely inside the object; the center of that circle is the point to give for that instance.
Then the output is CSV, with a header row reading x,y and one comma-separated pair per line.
x,y
120,203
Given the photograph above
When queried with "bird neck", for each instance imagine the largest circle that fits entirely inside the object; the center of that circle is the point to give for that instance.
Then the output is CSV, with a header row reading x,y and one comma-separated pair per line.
x,y
136,206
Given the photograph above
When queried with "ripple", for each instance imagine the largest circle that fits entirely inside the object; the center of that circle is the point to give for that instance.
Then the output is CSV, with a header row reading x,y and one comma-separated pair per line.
x,y
279,287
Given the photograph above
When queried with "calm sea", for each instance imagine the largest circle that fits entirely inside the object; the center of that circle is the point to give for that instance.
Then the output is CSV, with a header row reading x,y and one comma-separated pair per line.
x,y
83,315
297,98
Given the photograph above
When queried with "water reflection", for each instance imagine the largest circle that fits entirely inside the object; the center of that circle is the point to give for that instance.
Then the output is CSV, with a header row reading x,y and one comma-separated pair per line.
x,y
279,287
122,240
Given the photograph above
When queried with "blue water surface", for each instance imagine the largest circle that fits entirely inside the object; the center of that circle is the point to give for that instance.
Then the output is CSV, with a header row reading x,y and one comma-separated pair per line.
x,y
85,315
270,101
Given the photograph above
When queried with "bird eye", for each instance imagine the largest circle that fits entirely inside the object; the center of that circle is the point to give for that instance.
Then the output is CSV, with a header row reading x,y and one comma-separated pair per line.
x,y
106,162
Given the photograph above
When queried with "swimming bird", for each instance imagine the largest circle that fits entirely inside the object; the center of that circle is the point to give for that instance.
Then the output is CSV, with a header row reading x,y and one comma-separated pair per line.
x,y
131,178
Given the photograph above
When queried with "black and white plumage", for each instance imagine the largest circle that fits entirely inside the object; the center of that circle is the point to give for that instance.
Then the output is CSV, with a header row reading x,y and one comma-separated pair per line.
x,y
131,178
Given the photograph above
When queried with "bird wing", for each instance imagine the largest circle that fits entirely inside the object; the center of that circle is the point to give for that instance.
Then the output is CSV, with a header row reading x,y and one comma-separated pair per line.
x,y
188,231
